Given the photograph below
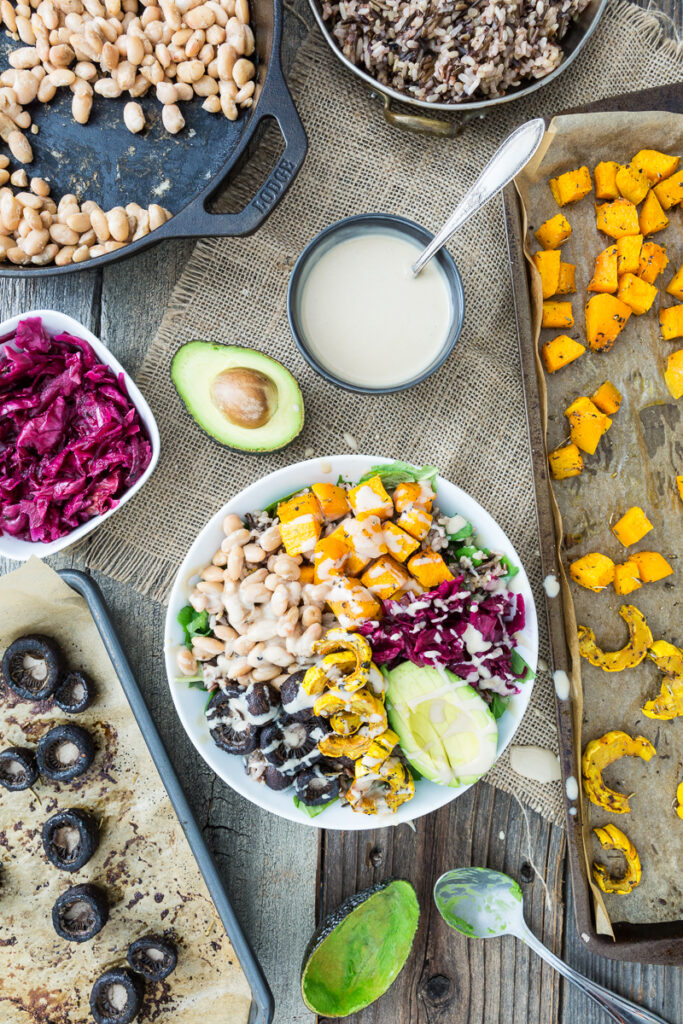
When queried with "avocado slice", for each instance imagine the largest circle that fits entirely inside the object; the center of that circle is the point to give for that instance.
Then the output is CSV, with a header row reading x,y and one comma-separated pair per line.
x,y
360,949
240,397
445,728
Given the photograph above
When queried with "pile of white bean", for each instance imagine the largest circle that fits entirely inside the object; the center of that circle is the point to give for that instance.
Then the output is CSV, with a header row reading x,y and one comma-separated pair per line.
x,y
264,620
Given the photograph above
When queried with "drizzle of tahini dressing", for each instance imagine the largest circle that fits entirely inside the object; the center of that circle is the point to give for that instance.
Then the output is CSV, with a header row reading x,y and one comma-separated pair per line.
x,y
366,319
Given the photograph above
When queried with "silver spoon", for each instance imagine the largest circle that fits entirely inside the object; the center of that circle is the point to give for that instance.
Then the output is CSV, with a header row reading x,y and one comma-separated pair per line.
x,y
482,903
503,166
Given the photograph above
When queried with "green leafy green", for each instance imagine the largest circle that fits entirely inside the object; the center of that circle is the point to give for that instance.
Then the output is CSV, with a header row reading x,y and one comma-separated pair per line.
x,y
512,569
313,812
394,473
499,705
465,531
193,623
197,684
469,552
519,665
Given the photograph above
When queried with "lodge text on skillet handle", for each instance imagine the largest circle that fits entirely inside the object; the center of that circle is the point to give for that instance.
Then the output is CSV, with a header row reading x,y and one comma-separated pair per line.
x,y
276,102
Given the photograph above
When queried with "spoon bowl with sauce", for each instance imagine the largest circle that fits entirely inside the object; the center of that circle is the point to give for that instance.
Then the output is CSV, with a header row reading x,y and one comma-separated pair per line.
x,y
361,318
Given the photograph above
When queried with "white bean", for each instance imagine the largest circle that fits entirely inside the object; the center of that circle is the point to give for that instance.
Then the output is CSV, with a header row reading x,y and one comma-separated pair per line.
x,y
172,119
133,117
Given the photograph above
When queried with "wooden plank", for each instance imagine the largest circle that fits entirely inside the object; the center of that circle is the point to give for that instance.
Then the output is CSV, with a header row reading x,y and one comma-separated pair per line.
x,y
448,977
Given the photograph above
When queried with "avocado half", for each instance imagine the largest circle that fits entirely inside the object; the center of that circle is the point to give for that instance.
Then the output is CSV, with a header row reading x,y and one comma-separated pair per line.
x,y
360,949
241,398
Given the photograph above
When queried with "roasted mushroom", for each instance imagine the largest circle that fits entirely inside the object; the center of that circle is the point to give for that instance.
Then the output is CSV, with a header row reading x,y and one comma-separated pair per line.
x,y
230,723
18,768
65,752
116,996
31,666
263,703
80,913
295,701
314,787
289,744
70,838
153,957
275,779
75,693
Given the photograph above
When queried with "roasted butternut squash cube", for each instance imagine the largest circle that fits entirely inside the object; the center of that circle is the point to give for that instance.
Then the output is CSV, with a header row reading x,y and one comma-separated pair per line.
x,y
670,192
653,260
605,274
566,284
679,485
673,375
365,539
617,218
385,577
547,263
594,571
416,521
628,254
571,186
606,317
300,505
607,398
605,175
626,578
652,217
332,500
329,558
552,233
632,526
306,574
399,543
651,565
370,498
561,351
636,293
675,285
300,535
411,493
429,568
587,424
632,183
557,314
565,462
351,602
654,164
671,322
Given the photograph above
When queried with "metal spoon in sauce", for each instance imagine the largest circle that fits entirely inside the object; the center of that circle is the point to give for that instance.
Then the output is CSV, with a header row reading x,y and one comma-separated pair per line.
x,y
482,903
503,166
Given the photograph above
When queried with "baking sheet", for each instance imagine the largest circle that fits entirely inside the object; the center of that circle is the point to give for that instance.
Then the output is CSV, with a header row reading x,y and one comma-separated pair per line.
x,y
636,464
143,860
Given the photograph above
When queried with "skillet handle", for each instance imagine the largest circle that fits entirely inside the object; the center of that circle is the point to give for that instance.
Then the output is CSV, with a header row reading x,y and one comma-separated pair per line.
x,y
424,125
196,221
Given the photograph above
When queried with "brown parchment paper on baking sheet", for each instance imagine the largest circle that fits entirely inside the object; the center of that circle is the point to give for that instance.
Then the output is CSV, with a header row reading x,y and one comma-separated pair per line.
x,y
635,464
143,860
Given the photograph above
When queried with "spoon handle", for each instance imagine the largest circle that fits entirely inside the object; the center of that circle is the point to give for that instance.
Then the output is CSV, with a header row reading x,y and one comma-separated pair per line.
x,y
618,1009
503,166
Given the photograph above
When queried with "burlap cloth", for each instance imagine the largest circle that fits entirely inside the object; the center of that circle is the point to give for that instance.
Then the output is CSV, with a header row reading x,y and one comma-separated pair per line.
x,y
468,419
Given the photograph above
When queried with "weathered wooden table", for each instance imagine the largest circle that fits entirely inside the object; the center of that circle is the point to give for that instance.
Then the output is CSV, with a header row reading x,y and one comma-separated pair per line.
x,y
283,876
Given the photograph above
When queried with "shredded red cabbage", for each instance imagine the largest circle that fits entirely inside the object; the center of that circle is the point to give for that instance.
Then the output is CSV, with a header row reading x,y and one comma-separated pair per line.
x,y
71,440
468,633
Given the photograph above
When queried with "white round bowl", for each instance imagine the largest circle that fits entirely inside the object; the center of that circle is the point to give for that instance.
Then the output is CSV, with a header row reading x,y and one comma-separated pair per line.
x,y
190,703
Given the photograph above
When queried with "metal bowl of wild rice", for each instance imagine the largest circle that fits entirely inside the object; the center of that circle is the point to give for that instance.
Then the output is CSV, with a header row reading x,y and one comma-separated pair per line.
x,y
456,54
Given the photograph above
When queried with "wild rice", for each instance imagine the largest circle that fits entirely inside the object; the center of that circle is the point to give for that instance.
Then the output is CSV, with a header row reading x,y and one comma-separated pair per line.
x,y
452,51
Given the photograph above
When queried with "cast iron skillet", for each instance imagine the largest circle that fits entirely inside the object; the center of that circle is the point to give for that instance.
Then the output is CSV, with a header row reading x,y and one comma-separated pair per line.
x,y
105,162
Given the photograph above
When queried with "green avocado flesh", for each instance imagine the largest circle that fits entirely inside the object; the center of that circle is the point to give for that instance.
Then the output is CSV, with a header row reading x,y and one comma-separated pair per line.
x,y
360,949
445,728
240,397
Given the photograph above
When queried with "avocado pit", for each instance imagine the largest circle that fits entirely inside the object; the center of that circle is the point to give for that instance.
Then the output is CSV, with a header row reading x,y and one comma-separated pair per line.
x,y
246,397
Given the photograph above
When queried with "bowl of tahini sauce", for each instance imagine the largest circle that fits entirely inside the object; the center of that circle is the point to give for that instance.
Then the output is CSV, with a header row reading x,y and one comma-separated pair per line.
x,y
358,315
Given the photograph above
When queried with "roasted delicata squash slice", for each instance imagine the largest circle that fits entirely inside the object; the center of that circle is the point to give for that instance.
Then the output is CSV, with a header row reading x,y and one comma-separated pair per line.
x,y
612,838
369,708
350,653
389,784
669,702
679,799
640,639
605,751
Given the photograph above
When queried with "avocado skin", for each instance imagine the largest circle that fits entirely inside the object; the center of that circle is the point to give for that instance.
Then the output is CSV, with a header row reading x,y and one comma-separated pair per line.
x,y
279,367
338,916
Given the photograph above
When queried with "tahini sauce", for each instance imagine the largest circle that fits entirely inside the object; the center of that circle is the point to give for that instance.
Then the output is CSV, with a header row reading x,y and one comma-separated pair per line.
x,y
364,316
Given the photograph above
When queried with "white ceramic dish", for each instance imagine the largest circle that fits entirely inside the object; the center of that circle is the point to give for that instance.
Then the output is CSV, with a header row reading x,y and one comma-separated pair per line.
x,y
190,702
55,323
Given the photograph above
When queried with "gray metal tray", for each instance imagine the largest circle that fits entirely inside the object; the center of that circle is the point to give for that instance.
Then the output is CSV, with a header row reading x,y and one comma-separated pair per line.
x,y
262,1006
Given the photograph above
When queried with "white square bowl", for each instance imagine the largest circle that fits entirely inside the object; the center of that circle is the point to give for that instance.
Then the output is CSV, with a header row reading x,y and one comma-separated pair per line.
x,y
55,323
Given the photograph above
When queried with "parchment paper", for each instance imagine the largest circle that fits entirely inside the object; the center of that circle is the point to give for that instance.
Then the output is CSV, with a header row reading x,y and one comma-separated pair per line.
x,y
636,464
143,860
